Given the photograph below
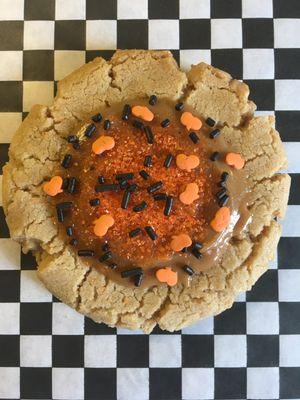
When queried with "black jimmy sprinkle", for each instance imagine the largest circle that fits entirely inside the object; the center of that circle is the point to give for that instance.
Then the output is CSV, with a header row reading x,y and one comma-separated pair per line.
x,y
106,124
125,177
165,123
65,183
72,138
214,134
101,179
69,231
73,242
133,187
179,106
72,185
189,270
148,161
64,205
135,232
97,117
168,161
76,145
197,245
131,272
168,206
125,199
123,184
221,193
94,202
107,187
196,253
86,253
105,256
215,156
66,161
140,207
151,232
137,124
144,175
149,134
113,266
210,122
223,200
126,112
154,187
105,247
160,196
224,176
60,215
90,130
138,280
152,100
194,137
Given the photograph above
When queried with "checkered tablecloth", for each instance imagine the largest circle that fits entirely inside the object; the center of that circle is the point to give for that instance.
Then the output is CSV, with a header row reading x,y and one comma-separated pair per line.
x,y
47,351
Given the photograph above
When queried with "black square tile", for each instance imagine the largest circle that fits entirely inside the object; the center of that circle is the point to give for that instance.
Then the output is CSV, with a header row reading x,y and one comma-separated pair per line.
x,y
38,65
3,155
165,383
226,9
262,93
263,350
133,351
91,54
197,351
176,55
295,192
67,351
132,34
286,8
232,321
70,35
194,34
28,261
34,10
266,288
289,321
258,33
10,350
289,253
96,9
100,380
11,34
230,383
9,286
24,115
11,96
287,63
36,383
287,123
158,331
92,328
4,232
289,383
229,60
36,318
166,9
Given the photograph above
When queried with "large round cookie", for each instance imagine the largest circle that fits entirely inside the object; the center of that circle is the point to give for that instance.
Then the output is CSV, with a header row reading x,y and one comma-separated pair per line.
x,y
39,144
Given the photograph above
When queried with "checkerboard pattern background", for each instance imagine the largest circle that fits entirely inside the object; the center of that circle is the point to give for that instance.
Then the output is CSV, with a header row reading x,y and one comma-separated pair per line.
x,y
252,351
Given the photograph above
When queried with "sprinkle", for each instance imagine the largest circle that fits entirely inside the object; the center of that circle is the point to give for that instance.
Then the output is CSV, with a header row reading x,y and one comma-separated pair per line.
x,y
138,280
221,193
140,207
125,199
101,179
197,245
168,206
73,242
165,123
127,177
184,250
106,124
142,112
54,186
160,196
144,175
123,184
190,193
69,231
65,183
215,156
167,275
214,134
210,122
127,273
102,144
138,124
113,266
106,256
151,232
187,163
72,138
102,224
152,100
76,145
105,247
168,161
235,160
148,161
180,242
179,106
97,117
94,202
66,161
221,219
72,185
194,137
197,254
133,187
64,205
154,187
86,253
189,270
149,134
108,187
135,232
224,176
90,130
60,214
126,112
190,121
223,201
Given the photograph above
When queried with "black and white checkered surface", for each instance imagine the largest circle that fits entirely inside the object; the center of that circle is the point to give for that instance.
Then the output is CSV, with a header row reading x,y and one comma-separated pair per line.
x,y
47,351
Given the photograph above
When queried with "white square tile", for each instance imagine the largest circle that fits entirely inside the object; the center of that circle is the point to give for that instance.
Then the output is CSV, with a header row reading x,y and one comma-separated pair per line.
x,y
262,383
163,34
274,263
66,321
291,222
241,298
10,383
258,64
9,123
262,318
36,351
36,92
289,346
193,57
202,327
101,34
66,61
164,351
100,351
38,35
292,152
133,383
123,331
9,319
226,33
236,357
257,8
132,9
10,255
32,289
192,9
198,383
11,10
258,113
286,32
286,94
11,65
69,9
289,285
68,383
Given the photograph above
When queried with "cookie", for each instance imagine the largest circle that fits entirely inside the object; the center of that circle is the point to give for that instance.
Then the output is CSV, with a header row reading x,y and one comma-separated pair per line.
x,y
215,131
